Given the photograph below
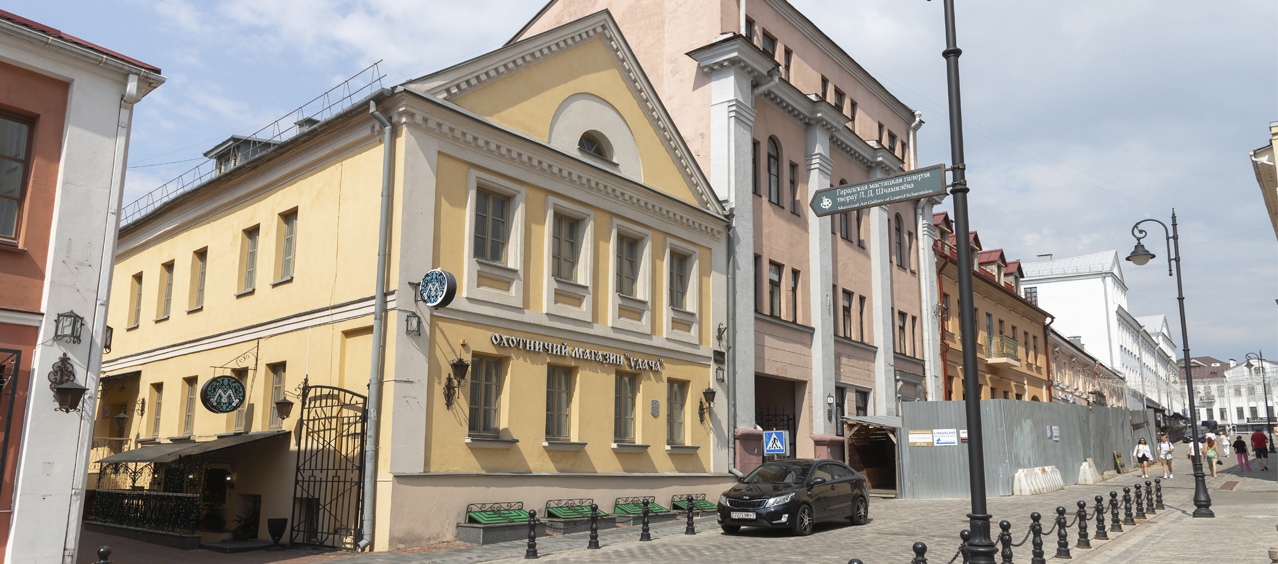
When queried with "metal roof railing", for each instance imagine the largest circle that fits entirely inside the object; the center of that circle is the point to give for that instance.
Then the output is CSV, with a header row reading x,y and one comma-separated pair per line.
x,y
263,141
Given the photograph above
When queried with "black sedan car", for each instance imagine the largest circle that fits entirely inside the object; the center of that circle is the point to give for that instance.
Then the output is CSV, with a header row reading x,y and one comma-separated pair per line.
x,y
795,494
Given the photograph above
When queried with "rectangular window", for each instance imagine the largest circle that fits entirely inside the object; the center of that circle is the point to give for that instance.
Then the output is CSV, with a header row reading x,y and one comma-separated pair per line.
x,y
627,265
564,247
852,113
844,230
847,314
774,173
758,283
1254,413
15,162
188,407
676,400
900,332
1034,351
241,374
157,406
859,240
914,326
774,289
135,308
1224,414
754,167
770,45
166,290
838,99
794,295
1239,411
905,149
945,307
794,188
880,136
891,146
199,271
1031,295
825,87
287,242
623,419
785,68
558,402
248,259
485,396
678,279
840,409
860,319
1237,391
492,222
989,332
862,403
749,30
909,249
277,371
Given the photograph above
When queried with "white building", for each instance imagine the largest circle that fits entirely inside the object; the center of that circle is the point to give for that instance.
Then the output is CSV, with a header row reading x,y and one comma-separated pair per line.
x,y
1249,386
1088,296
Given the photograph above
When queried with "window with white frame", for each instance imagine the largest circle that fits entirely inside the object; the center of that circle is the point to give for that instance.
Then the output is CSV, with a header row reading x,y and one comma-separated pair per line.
x,y
623,423
682,264
485,397
565,246
492,226
569,259
628,263
774,289
494,237
166,291
679,279
558,403
631,277
286,246
676,402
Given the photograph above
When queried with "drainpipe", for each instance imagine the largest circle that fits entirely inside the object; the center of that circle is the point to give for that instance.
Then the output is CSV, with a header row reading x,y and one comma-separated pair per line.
x,y
940,320
774,75
731,344
1047,358
743,17
379,347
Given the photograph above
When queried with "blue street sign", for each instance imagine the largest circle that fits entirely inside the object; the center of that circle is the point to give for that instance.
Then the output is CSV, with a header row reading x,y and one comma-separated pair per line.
x,y
776,442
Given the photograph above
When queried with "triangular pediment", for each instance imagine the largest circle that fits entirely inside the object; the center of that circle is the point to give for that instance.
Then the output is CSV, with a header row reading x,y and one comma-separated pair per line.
x,y
579,79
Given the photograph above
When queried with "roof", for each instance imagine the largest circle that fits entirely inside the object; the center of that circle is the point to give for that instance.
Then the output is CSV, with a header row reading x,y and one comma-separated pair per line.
x,y
56,33
168,452
888,421
1014,267
992,255
1104,261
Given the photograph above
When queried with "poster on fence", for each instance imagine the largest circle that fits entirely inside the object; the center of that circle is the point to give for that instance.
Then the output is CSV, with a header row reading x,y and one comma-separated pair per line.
x,y
921,437
945,437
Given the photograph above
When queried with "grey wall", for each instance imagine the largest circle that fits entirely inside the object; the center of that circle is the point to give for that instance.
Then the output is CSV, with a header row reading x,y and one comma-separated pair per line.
x,y
1015,437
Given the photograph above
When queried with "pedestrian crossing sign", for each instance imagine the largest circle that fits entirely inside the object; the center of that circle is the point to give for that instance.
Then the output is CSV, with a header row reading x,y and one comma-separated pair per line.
x,y
775,442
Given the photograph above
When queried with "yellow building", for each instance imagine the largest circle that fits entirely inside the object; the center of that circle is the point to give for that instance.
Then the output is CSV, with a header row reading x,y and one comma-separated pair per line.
x,y
1011,340
555,289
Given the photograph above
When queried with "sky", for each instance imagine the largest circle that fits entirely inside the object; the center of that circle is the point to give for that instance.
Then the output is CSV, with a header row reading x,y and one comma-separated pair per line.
x,y
1080,118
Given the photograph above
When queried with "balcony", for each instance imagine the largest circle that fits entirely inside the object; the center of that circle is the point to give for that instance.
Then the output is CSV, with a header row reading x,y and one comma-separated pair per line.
x,y
1003,351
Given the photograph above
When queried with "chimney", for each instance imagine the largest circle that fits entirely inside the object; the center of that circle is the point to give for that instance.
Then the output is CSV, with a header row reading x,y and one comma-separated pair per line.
x,y
1045,257
1233,363
1077,339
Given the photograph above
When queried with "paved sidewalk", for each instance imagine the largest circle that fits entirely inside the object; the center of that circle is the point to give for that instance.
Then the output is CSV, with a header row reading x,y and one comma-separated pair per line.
x,y
1246,507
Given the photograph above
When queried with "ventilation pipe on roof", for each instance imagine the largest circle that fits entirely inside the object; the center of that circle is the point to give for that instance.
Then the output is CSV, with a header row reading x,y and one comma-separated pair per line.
x,y
379,348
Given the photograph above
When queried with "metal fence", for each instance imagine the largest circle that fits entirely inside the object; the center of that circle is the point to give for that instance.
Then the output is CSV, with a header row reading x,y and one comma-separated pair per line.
x,y
1018,434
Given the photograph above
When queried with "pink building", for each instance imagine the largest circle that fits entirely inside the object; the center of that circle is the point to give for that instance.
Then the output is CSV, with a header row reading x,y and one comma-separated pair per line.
x,y
66,107
828,314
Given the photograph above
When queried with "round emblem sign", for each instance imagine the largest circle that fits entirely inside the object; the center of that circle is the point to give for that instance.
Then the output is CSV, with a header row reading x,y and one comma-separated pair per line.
x,y
438,288
222,394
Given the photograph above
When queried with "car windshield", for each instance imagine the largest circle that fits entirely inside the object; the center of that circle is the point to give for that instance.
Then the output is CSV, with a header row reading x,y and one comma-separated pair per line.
x,y
778,473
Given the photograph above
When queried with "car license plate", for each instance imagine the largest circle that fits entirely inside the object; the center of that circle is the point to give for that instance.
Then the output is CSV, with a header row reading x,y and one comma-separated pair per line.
x,y
742,514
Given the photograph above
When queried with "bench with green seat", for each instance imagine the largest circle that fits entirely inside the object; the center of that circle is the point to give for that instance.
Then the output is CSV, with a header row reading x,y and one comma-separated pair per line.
x,y
699,503
488,523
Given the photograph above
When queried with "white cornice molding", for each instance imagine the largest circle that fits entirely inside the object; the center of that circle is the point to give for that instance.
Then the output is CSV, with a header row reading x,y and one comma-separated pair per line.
x,y
734,51
148,80
24,318
538,157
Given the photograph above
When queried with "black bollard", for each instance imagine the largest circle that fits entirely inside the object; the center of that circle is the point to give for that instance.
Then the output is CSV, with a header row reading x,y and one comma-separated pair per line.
x,y
1005,539
1062,536
532,536
594,527
644,535
1036,539
855,561
690,529
1149,498
104,555
1114,524
1127,507
920,554
1100,519
965,535
1158,493
1140,503
1082,526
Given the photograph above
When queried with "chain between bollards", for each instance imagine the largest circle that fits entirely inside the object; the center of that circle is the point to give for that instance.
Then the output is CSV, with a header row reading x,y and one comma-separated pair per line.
x,y
1158,493
644,535
690,529
1140,503
1036,529
1100,519
1114,524
531,553
104,555
1062,535
594,527
1127,507
1149,498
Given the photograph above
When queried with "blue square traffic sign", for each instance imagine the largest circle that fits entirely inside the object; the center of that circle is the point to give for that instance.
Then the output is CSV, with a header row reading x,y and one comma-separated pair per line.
x,y
775,442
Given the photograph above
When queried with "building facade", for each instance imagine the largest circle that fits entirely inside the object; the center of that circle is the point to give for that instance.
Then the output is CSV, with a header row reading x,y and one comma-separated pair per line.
x,y
1079,378
827,314
1248,399
1012,361
1263,163
66,109
555,266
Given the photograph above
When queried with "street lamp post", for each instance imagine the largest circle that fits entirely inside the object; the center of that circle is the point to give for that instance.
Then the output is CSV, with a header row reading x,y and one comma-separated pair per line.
x,y
1264,389
1140,256
980,546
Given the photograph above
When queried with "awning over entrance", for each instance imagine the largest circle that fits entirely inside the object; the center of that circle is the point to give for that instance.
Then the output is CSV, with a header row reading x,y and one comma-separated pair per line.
x,y
169,452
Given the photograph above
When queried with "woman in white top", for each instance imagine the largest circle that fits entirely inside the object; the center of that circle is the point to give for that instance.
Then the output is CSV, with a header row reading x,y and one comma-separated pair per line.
x,y
1142,455
1165,450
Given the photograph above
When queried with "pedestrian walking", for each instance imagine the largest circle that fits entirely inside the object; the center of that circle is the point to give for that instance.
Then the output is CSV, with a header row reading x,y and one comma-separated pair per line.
x,y
1260,445
1165,451
1222,443
1212,455
1142,455
1240,449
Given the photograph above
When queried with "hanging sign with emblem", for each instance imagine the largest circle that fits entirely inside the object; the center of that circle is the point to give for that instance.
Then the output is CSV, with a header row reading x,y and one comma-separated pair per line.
x,y
438,288
222,394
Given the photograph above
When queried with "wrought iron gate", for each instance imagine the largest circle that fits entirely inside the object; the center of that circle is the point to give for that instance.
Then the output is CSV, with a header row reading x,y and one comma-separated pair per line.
x,y
328,492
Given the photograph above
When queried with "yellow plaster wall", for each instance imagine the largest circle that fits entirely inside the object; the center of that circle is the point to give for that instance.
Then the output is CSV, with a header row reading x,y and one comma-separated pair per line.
x,y
526,101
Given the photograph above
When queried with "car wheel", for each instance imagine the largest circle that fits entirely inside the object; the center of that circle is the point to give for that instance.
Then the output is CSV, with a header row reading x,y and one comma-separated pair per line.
x,y
860,511
803,521
730,529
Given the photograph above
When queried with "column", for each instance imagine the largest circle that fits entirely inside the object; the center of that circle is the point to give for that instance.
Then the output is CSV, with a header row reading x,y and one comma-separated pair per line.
x,y
821,278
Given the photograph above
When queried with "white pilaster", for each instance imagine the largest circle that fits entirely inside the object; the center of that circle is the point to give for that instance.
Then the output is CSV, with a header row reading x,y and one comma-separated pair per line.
x,y
820,280
929,298
881,302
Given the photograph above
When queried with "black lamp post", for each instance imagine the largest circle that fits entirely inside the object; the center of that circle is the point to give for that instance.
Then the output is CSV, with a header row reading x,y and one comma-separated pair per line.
x,y
1264,389
980,546
1141,256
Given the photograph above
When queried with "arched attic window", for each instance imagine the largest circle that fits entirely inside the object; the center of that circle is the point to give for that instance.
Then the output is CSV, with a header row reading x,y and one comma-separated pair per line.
x,y
592,143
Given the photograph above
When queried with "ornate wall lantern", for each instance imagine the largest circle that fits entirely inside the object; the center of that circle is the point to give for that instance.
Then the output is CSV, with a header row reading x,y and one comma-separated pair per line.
x,y
284,407
705,403
67,327
413,325
455,380
66,391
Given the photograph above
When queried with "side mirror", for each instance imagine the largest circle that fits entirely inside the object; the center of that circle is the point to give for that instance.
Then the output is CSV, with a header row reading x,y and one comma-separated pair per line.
x,y
816,482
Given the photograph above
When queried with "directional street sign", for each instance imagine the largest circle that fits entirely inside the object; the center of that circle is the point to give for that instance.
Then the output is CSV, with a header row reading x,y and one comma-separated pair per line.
x,y
774,442
920,183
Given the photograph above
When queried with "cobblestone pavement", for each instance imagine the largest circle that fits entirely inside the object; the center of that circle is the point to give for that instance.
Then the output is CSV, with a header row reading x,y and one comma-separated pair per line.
x,y
1246,507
